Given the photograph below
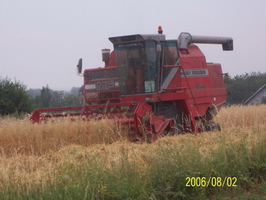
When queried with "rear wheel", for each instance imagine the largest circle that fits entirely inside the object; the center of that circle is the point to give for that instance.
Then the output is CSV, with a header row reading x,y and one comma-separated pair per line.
x,y
212,126
169,111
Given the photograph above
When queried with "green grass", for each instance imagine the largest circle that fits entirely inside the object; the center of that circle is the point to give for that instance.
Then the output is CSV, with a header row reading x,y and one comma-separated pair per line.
x,y
163,177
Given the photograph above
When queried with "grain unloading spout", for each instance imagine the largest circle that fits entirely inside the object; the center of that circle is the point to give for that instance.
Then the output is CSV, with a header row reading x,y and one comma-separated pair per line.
x,y
185,39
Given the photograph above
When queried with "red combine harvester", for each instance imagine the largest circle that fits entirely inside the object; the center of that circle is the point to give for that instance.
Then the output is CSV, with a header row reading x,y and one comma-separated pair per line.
x,y
157,86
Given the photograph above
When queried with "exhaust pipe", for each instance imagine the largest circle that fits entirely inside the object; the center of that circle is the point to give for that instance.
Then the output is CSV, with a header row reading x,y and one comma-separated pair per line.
x,y
186,39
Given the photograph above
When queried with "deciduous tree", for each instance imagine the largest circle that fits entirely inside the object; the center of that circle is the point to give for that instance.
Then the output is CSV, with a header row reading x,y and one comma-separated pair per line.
x,y
13,97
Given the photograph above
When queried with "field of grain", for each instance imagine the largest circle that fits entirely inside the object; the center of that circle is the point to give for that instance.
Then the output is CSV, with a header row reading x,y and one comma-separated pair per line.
x,y
94,160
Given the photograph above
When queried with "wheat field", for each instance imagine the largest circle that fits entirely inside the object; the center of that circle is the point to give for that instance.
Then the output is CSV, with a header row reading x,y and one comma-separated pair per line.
x,y
38,160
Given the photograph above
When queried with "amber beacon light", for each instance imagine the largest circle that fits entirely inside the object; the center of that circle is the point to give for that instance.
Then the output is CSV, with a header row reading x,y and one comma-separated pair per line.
x,y
160,29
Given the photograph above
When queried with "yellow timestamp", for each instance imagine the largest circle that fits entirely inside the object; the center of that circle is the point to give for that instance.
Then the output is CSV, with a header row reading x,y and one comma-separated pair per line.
x,y
211,181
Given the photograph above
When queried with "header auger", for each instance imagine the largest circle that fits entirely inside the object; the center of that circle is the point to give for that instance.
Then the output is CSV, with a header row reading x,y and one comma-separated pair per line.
x,y
157,86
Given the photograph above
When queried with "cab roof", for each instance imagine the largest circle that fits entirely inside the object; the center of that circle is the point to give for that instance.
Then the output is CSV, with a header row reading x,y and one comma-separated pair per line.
x,y
137,38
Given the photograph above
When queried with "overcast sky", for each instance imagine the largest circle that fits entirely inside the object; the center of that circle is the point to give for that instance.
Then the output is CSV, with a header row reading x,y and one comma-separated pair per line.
x,y
41,41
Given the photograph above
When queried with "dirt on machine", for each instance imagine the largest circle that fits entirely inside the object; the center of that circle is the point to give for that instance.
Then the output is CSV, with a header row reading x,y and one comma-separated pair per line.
x,y
155,85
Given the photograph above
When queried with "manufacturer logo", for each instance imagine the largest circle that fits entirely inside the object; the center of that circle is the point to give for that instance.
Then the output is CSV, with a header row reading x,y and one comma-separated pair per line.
x,y
105,85
195,72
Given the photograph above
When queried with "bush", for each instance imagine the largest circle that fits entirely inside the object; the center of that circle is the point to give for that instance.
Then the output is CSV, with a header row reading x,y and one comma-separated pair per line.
x,y
13,97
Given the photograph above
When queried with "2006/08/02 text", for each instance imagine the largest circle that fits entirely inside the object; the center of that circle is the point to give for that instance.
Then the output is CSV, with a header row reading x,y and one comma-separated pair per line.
x,y
211,181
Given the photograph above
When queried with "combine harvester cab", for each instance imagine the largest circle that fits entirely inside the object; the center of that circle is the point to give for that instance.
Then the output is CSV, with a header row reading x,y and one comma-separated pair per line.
x,y
157,86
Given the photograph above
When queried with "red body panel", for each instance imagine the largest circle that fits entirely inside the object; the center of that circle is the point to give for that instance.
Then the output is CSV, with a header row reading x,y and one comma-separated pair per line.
x,y
197,83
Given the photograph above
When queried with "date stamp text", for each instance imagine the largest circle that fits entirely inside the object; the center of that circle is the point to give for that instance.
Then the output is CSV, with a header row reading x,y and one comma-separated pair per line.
x,y
211,181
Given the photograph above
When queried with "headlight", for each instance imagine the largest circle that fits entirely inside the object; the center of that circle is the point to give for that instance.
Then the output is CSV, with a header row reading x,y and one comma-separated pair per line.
x,y
90,87
93,95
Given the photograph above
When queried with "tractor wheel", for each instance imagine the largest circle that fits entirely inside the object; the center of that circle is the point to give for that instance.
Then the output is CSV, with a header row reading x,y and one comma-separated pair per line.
x,y
169,111
212,126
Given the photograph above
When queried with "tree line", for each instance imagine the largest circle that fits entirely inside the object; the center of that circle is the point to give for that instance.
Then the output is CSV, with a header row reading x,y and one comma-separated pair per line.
x,y
15,98
48,98
241,87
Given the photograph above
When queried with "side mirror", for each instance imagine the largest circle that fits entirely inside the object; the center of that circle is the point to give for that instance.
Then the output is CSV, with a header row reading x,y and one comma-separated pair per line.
x,y
79,66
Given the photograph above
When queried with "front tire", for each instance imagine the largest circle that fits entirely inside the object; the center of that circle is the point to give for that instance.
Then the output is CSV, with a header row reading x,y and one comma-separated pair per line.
x,y
170,111
212,126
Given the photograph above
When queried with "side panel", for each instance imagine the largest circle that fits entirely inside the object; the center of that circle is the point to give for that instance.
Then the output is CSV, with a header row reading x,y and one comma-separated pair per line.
x,y
217,92
203,82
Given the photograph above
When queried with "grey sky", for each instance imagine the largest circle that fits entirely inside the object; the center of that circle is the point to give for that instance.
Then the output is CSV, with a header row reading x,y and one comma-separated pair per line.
x,y
41,41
